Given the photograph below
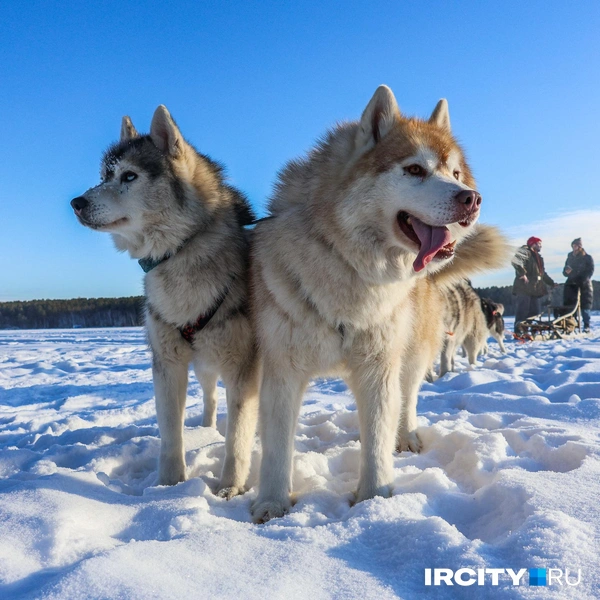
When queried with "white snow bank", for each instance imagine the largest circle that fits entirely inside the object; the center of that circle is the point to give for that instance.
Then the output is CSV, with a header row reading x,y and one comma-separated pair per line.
x,y
509,478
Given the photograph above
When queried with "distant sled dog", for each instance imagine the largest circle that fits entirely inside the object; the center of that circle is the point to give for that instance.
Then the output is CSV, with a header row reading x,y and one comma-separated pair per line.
x,y
493,312
465,325
346,277
169,206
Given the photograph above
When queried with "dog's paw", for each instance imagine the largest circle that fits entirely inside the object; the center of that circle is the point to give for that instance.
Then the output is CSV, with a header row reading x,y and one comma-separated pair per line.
x,y
229,492
170,479
366,492
409,442
263,511
430,376
171,472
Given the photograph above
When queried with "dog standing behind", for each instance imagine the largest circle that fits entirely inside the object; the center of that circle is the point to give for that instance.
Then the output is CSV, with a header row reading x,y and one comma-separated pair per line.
x,y
169,206
464,324
364,229
493,312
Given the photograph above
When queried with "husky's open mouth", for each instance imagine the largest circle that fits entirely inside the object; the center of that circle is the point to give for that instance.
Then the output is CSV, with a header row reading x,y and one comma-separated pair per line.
x,y
434,241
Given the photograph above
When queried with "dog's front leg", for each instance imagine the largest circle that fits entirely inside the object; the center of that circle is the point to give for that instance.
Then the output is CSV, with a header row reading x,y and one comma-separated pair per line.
x,y
501,342
170,385
170,374
280,401
242,409
415,367
375,383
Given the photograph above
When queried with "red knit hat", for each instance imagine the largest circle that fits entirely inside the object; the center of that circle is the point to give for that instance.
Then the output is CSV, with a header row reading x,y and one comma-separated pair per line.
x,y
533,240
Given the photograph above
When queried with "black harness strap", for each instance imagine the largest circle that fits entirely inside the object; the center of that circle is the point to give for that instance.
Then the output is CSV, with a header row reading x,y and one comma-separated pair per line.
x,y
191,329
256,221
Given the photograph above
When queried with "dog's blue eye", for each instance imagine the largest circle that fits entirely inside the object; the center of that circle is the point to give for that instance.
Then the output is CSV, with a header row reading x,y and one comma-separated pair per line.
x,y
128,177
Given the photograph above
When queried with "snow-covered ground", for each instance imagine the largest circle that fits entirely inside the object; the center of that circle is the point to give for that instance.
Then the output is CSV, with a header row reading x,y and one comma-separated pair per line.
x,y
509,478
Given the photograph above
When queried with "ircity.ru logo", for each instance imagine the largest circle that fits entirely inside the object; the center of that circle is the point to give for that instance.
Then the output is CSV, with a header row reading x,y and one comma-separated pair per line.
x,y
484,576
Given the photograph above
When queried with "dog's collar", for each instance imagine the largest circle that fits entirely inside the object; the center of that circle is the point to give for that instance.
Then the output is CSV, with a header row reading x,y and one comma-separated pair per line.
x,y
150,263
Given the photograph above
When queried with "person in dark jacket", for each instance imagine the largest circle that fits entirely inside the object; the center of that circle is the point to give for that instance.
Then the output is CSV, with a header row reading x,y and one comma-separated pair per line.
x,y
530,282
578,270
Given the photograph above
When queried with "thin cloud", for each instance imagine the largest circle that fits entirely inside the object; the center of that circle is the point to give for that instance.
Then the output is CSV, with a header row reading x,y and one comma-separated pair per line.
x,y
556,232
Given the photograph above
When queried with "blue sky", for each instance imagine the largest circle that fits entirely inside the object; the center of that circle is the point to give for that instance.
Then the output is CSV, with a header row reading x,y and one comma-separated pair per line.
x,y
253,85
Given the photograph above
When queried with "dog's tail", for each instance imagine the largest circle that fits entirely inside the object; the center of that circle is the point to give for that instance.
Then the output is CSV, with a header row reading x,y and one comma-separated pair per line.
x,y
485,250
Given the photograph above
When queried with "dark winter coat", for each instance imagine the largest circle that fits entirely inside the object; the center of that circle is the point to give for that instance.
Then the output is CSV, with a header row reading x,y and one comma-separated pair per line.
x,y
530,263
579,279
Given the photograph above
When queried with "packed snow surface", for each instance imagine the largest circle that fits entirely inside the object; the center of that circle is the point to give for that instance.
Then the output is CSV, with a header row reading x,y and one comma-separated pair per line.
x,y
509,477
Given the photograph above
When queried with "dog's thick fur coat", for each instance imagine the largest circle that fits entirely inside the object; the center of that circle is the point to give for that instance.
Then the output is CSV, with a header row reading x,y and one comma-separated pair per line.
x,y
493,312
464,325
163,201
366,231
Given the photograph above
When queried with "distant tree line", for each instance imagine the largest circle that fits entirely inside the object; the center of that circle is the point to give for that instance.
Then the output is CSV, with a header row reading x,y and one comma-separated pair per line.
x,y
78,312
128,312
555,298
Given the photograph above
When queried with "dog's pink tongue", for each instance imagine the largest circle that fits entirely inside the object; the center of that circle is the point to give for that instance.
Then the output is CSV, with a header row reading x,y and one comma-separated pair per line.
x,y
432,239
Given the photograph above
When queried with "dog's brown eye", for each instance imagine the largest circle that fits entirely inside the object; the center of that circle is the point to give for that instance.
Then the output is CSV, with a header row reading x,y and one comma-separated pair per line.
x,y
416,170
456,174
128,177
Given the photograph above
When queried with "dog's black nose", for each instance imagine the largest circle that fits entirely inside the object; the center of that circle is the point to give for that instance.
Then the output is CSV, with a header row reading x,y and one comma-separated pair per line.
x,y
79,203
469,198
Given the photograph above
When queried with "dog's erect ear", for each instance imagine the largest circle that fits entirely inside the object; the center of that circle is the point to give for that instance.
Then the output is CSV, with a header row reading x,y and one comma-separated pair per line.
x,y
164,132
378,118
128,131
440,115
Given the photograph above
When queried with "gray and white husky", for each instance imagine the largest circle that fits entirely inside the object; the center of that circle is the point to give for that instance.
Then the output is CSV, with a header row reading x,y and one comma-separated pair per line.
x,y
493,312
169,206
365,229
464,325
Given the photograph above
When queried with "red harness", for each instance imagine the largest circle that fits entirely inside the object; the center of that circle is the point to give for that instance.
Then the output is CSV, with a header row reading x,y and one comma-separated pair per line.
x,y
191,329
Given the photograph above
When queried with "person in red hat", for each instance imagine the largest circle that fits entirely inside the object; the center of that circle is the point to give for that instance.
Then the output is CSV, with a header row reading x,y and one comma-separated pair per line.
x,y
531,280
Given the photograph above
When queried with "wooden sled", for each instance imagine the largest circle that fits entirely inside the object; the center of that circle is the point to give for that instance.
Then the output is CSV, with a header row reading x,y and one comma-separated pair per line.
x,y
560,321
